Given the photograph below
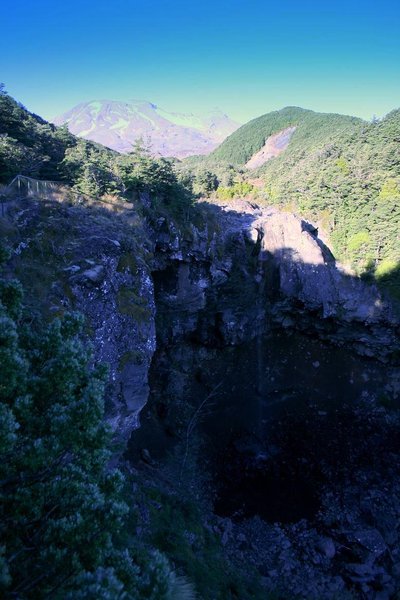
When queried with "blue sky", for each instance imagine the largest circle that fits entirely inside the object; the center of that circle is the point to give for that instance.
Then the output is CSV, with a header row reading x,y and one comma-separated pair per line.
x,y
247,57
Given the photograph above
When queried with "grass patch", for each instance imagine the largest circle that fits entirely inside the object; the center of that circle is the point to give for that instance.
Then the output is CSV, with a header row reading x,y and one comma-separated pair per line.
x,y
133,356
176,528
127,263
131,304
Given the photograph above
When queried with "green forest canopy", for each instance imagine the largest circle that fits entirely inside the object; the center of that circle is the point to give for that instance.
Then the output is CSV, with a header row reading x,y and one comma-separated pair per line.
x,y
340,172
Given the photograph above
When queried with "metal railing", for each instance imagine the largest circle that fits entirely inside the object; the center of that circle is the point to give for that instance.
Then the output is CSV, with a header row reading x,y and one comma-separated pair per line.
x,y
22,187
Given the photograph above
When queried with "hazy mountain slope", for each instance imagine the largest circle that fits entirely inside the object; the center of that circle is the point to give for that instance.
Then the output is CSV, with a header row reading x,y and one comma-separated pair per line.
x,y
118,124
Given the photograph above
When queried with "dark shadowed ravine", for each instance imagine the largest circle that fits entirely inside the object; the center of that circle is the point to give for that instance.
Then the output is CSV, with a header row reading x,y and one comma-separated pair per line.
x,y
259,392
276,388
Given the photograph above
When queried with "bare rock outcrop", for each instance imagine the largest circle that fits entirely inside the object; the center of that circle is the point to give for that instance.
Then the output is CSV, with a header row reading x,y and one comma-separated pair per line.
x,y
274,146
235,274
308,271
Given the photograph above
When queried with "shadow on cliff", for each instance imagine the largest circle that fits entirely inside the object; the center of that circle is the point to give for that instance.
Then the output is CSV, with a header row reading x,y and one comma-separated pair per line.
x,y
253,320
269,267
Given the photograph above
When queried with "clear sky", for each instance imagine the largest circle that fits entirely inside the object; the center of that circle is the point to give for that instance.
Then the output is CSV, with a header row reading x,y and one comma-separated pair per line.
x,y
246,57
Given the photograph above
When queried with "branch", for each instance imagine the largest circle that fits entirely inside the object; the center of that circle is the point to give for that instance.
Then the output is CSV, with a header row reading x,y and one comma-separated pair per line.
x,y
64,459
193,422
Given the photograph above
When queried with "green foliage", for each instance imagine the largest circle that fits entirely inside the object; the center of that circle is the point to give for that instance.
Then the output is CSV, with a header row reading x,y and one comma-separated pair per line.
x,y
385,269
340,171
60,505
311,128
31,146
358,240
337,170
28,144
16,158
206,183
177,529
387,274
62,513
355,178
343,165
140,172
240,189
390,190
90,168
207,174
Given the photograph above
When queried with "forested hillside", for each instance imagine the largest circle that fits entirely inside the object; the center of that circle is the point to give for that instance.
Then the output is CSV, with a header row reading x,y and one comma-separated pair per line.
x,y
33,147
340,172
225,168
28,144
311,129
351,184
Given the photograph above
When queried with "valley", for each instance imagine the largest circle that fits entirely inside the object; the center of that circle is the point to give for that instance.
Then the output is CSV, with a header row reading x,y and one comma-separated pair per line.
x,y
251,396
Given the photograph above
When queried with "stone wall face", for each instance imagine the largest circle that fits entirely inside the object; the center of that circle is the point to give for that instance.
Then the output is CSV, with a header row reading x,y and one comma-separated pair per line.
x,y
239,272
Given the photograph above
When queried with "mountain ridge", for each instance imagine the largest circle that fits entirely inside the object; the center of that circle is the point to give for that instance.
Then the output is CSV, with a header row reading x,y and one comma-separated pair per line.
x,y
248,139
118,124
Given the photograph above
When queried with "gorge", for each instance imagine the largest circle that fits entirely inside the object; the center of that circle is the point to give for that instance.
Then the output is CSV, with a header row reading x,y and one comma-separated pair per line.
x,y
236,342
200,363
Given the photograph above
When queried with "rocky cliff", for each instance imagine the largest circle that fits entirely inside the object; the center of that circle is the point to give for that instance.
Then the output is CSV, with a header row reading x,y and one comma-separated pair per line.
x,y
225,276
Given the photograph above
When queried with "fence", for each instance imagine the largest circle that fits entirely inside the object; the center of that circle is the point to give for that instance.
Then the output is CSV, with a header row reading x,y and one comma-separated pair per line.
x,y
27,187
22,187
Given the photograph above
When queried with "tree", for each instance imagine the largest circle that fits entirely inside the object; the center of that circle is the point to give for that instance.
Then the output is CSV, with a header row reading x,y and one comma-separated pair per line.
x,y
61,511
141,172
90,169
60,505
207,182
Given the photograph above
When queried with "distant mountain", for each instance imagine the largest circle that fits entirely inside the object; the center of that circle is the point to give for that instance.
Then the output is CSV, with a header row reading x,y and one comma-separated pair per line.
x,y
118,124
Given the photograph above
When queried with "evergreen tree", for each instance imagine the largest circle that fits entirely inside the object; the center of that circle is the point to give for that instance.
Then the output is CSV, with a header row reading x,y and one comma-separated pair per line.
x,y
207,182
61,512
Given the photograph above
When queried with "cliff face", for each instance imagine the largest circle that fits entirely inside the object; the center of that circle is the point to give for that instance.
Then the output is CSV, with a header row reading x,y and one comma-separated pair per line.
x,y
318,294
235,273
261,269
95,260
